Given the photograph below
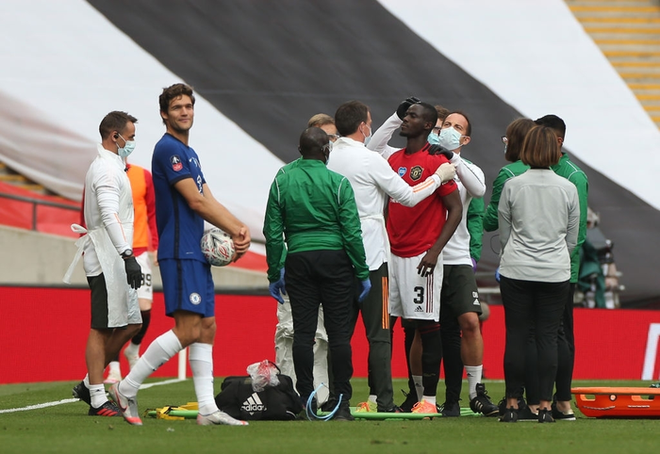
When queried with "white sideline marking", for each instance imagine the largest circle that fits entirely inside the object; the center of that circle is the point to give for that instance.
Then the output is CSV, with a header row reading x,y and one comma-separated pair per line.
x,y
68,401
651,351
38,406
158,383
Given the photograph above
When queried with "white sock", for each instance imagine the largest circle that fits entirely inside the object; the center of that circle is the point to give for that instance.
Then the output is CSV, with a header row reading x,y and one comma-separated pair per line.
x,y
132,350
114,367
429,399
201,364
97,393
419,386
86,381
158,353
372,398
474,377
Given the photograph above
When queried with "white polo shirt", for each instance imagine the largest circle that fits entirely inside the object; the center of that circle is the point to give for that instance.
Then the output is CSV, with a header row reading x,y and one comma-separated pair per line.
x,y
373,181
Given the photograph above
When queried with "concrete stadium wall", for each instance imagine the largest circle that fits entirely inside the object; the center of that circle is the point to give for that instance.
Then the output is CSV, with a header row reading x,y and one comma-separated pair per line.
x,y
29,258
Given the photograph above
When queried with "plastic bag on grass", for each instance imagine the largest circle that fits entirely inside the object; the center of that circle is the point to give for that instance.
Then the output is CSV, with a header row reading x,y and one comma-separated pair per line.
x,y
263,374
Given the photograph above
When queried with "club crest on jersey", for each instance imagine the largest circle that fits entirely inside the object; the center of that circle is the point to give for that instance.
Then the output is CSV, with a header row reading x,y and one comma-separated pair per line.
x,y
416,173
176,163
195,298
402,171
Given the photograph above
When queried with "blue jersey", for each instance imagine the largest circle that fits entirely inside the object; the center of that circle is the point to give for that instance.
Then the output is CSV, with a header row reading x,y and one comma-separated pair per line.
x,y
180,229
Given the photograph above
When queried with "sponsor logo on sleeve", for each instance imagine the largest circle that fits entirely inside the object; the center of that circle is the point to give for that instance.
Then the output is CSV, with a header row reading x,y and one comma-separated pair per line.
x,y
176,163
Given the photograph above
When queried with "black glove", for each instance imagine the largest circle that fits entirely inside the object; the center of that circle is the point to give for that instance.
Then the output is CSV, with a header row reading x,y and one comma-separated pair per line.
x,y
437,149
133,272
405,105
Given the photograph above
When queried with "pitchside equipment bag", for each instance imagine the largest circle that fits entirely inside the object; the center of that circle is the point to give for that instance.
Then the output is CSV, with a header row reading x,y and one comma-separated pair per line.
x,y
274,403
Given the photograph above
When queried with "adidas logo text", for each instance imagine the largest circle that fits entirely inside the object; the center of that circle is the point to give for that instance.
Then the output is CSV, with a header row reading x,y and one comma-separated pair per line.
x,y
253,404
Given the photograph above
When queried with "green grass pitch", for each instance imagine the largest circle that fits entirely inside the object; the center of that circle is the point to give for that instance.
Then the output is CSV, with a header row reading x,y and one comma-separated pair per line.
x,y
66,428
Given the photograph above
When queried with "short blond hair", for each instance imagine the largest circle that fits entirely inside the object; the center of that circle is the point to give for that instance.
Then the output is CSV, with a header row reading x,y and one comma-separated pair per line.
x,y
319,120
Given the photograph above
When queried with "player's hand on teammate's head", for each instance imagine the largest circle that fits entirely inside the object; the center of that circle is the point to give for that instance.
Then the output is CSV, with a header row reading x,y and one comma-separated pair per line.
x,y
405,105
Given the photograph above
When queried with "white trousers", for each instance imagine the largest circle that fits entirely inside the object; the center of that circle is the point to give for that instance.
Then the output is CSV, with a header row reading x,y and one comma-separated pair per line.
x,y
284,349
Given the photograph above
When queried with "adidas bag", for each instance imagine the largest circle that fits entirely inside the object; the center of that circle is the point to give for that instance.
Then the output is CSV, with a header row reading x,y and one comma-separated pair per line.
x,y
274,403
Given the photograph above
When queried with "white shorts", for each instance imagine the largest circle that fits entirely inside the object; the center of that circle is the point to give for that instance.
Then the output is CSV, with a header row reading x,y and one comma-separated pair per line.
x,y
412,296
146,290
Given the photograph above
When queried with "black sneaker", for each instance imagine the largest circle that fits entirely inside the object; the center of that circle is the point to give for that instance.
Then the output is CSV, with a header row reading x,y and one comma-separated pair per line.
x,y
81,392
329,404
409,403
502,405
450,409
482,403
313,406
526,414
395,409
343,413
559,415
545,415
510,415
107,409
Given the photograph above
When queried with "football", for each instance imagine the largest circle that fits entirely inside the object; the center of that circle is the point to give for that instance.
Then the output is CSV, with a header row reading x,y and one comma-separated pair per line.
x,y
217,247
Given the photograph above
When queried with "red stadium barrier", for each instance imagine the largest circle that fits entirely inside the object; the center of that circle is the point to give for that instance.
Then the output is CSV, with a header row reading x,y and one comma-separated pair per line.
x,y
43,333
42,213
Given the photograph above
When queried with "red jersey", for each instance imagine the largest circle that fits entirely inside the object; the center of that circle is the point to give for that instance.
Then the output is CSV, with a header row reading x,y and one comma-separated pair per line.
x,y
412,231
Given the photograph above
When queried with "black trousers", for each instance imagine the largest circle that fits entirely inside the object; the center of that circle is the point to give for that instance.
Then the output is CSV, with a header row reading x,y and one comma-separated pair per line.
x,y
376,319
452,363
566,349
565,358
327,278
531,309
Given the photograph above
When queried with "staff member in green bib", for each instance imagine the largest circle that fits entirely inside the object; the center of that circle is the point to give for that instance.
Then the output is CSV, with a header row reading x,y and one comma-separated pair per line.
x,y
311,211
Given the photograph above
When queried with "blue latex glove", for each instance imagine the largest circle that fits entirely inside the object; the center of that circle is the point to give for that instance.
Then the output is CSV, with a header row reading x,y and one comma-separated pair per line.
x,y
277,289
497,274
474,264
366,286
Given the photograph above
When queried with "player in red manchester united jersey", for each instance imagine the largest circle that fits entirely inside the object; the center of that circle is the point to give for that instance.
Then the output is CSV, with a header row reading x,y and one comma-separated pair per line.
x,y
417,236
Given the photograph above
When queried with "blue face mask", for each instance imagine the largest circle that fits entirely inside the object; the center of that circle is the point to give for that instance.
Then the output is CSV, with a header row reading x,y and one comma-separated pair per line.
x,y
450,139
127,149
433,139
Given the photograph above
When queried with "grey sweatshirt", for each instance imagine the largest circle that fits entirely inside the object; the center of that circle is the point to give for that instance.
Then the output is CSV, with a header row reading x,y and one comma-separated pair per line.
x,y
539,216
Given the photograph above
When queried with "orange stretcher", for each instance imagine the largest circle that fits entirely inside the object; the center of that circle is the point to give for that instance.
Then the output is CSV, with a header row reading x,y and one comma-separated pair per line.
x,y
612,402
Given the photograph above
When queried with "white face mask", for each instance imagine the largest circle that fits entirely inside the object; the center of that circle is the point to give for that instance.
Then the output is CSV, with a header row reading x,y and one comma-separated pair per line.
x,y
326,149
127,149
367,138
450,139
